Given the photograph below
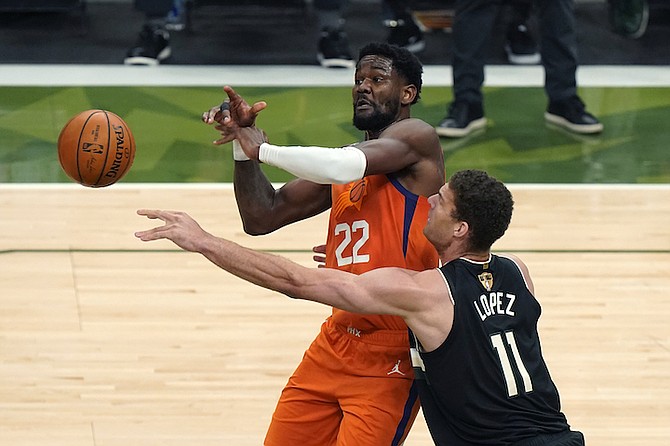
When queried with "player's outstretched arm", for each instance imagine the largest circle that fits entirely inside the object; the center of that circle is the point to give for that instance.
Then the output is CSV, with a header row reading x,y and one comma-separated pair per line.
x,y
381,291
267,270
410,147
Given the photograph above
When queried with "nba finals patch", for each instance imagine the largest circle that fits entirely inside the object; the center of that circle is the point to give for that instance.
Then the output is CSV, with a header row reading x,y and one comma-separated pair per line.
x,y
486,280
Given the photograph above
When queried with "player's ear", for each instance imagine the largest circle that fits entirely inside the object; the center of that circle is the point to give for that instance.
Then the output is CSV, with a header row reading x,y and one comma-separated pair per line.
x,y
408,94
461,229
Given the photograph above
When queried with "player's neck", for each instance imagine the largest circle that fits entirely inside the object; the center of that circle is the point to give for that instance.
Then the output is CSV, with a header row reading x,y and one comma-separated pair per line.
x,y
477,257
448,255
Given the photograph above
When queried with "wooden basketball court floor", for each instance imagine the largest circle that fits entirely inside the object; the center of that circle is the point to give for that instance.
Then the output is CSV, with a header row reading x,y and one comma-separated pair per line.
x,y
108,341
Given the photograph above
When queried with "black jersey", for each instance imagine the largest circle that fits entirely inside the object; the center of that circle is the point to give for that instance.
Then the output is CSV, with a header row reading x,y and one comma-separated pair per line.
x,y
488,383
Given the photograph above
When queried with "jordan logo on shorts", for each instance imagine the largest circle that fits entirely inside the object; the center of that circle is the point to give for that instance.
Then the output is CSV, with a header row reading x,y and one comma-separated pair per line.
x,y
396,368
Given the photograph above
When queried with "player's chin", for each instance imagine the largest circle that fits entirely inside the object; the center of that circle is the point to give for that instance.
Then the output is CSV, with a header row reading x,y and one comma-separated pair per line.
x,y
370,121
365,114
427,230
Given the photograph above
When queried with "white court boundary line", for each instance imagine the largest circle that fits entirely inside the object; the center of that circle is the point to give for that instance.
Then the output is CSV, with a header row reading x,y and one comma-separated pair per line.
x,y
23,75
229,186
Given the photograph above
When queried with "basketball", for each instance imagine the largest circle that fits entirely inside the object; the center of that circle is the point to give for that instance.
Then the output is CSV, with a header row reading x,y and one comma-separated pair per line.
x,y
96,148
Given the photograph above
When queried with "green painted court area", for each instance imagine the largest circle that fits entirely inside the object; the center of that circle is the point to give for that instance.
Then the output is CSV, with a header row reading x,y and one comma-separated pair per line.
x,y
174,146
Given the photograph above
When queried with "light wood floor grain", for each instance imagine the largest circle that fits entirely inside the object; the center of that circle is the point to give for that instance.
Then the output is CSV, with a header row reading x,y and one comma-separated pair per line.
x,y
106,341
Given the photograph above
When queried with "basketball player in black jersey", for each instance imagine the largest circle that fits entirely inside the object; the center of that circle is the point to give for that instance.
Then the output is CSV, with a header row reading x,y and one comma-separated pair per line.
x,y
481,375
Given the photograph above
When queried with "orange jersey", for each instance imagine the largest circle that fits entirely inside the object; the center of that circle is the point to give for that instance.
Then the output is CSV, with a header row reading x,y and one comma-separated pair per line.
x,y
375,222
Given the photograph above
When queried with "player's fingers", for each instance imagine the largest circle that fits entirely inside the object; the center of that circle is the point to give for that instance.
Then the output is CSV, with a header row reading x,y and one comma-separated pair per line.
x,y
209,116
227,127
258,107
227,134
319,258
151,234
166,216
150,213
222,113
223,140
232,94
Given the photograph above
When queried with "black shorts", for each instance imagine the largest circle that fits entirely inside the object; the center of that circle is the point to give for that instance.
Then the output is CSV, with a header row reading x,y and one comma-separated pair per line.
x,y
567,438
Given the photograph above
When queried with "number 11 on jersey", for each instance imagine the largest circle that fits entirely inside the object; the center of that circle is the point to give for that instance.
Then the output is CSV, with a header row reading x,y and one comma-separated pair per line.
x,y
506,363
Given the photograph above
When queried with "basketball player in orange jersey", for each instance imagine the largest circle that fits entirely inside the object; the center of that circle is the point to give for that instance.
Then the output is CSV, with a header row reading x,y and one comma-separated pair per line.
x,y
354,385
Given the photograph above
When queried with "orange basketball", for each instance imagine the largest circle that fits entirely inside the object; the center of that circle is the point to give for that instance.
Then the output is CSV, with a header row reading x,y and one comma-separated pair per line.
x,y
96,148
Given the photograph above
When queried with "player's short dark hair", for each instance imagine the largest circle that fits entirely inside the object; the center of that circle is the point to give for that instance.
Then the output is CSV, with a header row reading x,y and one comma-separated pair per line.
x,y
484,203
405,63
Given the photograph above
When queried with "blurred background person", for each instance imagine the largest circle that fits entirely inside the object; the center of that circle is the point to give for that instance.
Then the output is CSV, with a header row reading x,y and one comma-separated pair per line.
x,y
473,24
153,42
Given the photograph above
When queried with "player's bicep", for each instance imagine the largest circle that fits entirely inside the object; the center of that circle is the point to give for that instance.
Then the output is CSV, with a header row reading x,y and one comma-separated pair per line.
x,y
401,146
300,199
392,291
387,155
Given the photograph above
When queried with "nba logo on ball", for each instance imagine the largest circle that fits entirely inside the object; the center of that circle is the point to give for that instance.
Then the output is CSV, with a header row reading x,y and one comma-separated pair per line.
x,y
96,148
92,148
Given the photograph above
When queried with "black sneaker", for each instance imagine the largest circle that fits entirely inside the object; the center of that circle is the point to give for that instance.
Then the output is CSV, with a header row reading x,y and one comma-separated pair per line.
x,y
462,119
520,47
333,49
571,114
152,47
405,34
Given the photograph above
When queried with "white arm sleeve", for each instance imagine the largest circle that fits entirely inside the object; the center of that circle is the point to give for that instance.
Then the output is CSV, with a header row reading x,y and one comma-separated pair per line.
x,y
321,165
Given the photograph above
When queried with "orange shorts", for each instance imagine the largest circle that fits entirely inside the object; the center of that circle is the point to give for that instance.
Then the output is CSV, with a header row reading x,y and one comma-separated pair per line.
x,y
351,388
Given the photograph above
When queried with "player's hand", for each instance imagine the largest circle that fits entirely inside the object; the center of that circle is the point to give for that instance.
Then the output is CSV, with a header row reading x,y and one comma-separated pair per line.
x,y
320,255
249,138
179,227
234,110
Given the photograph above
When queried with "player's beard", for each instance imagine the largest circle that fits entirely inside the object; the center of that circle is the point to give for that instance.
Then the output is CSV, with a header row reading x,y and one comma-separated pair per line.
x,y
377,120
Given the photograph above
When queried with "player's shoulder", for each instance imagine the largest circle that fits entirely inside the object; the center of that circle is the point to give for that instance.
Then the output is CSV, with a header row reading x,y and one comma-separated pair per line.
x,y
413,128
521,266
508,257
415,123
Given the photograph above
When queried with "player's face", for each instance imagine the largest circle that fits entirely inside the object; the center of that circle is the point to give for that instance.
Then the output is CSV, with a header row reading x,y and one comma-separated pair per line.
x,y
440,226
376,93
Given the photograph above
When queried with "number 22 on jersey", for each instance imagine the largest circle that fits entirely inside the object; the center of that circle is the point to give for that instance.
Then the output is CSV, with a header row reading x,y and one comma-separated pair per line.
x,y
354,235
